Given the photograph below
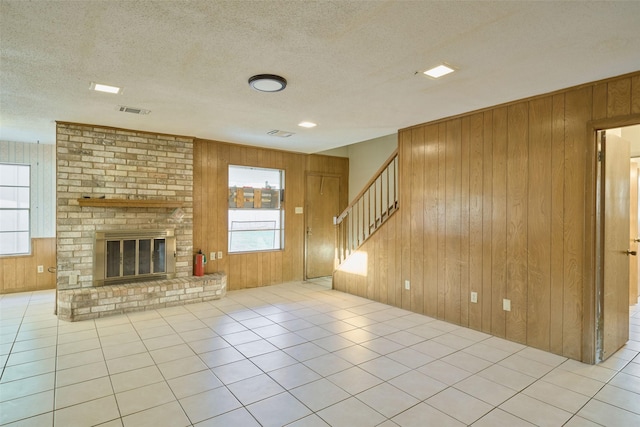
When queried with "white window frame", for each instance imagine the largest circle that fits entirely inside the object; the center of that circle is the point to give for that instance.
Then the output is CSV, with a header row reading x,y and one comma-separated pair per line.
x,y
267,222
10,203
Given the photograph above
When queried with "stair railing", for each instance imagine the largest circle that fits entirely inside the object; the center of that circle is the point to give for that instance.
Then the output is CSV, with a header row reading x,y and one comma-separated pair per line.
x,y
369,210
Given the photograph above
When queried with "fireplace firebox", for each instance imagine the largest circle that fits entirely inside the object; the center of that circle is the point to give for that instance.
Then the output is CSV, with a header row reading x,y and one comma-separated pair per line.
x,y
128,256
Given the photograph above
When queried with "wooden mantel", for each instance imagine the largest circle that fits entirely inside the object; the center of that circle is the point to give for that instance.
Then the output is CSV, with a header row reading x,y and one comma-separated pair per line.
x,y
128,203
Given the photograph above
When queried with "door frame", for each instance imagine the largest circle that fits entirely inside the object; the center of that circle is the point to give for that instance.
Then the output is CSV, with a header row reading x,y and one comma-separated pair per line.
x,y
306,207
593,273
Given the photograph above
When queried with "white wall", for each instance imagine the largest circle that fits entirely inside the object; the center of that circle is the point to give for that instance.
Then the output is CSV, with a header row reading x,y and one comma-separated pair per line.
x,y
42,158
365,158
632,133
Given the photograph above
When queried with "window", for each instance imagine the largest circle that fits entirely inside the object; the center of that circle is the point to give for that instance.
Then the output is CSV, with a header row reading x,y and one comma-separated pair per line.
x,y
14,209
256,217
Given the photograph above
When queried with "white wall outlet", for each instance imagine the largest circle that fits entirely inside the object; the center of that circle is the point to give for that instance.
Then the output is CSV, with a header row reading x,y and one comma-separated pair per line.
x,y
212,256
474,297
73,279
299,210
41,269
407,285
506,304
219,254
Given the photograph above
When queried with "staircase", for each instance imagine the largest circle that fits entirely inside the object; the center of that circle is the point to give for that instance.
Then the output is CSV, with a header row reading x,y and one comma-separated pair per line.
x,y
371,208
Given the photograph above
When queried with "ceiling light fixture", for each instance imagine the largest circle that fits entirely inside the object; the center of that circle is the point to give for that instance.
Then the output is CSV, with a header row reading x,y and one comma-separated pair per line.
x,y
267,83
439,71
99,87
307,124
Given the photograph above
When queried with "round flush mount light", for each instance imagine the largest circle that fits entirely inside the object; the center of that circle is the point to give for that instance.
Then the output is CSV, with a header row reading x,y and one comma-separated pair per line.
x,y
267,83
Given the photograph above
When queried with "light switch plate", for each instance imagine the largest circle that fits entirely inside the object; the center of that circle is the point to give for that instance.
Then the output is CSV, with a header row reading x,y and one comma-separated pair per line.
x,y
299,209
41,269
219,254
474,297
506,304
407,285
212,256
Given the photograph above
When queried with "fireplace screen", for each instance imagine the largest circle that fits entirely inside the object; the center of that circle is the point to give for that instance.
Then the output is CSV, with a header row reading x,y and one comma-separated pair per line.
x,y
128,256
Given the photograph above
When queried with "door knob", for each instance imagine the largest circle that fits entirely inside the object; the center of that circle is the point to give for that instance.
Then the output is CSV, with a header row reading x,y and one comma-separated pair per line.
x,y
634,253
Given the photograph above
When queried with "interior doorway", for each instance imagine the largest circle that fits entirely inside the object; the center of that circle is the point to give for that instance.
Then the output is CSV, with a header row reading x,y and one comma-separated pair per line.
x,y
617,236
322,194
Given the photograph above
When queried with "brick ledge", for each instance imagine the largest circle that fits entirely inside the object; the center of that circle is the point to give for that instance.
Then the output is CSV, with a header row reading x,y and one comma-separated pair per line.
x,y
94,302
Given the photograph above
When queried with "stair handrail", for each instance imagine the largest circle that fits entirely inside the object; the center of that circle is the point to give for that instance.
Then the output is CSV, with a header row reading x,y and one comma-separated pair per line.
x,y
369,183
354,225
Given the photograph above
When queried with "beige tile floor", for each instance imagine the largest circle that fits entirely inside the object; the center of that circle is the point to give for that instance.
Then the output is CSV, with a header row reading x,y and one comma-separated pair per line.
x,y
297,354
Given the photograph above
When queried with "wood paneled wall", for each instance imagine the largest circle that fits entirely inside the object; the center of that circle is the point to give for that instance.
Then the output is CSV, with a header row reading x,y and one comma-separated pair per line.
x,y
500,202
210,170
20,273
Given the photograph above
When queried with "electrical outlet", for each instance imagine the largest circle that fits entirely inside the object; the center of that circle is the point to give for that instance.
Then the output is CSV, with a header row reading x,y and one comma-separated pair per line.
x,y
474,297
41,269
212,256
219,254
506,304
407,285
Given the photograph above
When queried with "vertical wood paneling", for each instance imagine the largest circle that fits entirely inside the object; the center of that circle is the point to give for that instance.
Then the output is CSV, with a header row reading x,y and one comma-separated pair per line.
x,y
430,221
405,194
221,226
198,212
539,223
506,209
395,291
211,163
464,222
499,222
294,242
417,218
517,184
476,179
486,296
382,265
635,95
600,101
371,269
577,113
453,221
20,273
619,98
442,219
214,192
557,225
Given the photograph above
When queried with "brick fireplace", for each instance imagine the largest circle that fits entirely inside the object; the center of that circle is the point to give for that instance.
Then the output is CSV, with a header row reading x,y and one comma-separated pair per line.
x,y
117,179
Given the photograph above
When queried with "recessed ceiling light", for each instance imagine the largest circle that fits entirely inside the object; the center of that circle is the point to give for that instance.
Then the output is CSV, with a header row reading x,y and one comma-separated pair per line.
x,y
267,83
105,88
439,71
307,124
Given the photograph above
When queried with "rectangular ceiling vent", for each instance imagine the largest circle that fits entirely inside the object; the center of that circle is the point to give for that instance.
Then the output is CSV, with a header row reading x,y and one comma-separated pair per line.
x,y
280,133
133,110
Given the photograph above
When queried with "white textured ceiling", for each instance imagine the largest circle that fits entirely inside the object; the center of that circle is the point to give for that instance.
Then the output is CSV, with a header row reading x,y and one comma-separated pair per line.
x,y
351,65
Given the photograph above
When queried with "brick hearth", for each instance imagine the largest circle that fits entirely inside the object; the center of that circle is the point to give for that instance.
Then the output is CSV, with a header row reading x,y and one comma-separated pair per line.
x,y
100,301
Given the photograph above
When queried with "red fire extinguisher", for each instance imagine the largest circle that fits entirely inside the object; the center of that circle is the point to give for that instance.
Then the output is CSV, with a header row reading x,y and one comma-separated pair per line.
x,y
198,265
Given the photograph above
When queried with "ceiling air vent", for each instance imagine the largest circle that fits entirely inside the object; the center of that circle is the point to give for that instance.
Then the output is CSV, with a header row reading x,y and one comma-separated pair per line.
x,y
133,110
280,133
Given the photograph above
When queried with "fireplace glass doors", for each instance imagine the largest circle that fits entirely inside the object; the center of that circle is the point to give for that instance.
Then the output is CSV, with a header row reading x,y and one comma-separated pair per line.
x,y
129,256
